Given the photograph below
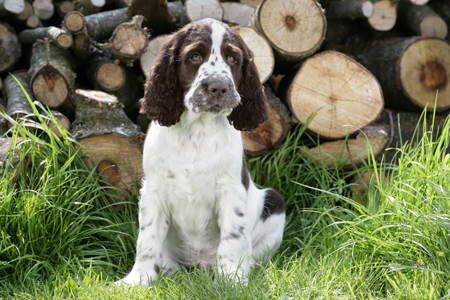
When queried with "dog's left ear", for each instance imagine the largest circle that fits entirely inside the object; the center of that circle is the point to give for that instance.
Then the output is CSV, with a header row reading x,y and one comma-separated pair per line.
x,y
253,108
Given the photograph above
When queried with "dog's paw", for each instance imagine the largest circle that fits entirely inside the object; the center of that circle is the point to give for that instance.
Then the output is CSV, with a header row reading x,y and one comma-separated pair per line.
x,y
132,279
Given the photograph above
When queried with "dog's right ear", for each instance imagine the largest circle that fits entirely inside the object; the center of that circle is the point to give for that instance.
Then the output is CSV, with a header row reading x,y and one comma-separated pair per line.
x,y
163,97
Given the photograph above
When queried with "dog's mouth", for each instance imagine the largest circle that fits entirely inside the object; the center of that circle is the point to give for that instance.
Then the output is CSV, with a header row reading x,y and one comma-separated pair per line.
x,y
215,109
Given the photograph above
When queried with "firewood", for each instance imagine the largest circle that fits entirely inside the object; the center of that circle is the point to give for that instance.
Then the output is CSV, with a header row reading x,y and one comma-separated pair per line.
x,y
9,155
294,28
177,10
3,122
111,142
61,120
11,7
410,70
101,25
59,36
237,12
338,30
156,15
263,54
122,3
33,22
270,134
44,9
148,58
18,105
416,2
128,41
64,7
200,9
384,15
24,15
52,78
73,22
82,44
351,151
89,7
422,20
442,7
361,183
351,9
10,47
343,95
253,3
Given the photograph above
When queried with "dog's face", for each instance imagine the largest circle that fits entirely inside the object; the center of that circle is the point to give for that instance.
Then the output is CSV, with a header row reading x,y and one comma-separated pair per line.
x,y
206,68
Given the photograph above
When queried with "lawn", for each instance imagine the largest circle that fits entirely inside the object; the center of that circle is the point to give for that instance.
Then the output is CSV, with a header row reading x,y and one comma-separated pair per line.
x,y
63,236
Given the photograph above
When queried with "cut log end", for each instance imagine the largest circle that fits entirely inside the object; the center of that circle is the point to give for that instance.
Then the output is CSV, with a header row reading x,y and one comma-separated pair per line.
x,y
98,96
237,12
74,21
61,120
129,41
14,6
367,9
110,76
200,9
433,26
10,48
424,69
64,40
148,58
384,15
50,87
343,94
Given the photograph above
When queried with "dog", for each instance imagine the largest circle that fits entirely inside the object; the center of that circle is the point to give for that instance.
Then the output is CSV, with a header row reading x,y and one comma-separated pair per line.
x,y
198,205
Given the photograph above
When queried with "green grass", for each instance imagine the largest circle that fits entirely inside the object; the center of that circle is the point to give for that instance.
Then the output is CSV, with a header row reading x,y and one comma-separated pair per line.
x,y
62,238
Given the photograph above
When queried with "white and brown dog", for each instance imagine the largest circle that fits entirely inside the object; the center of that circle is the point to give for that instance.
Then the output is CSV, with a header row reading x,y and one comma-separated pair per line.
x,y
198,204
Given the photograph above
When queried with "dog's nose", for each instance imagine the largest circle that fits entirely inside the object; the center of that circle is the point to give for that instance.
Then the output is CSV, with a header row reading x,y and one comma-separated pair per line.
x,y
218,89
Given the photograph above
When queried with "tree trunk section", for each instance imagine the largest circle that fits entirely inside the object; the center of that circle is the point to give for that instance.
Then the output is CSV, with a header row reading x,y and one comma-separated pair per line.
x,y
11,7
18,105
253,3
270,134
263,54
410,70
10,47
60,37
61,120
73,22
52,77
294,28
384,15
416,2
177,10
351,152
128,41
64,7
422,20
442,8
111,142
237,12
156,15
100,26
82,45
200,9
343,95
148,58
33,22
89,7
44,9
349,9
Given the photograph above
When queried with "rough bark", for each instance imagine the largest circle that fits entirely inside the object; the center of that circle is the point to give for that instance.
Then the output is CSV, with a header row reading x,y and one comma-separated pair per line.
x,y
44,9
111,142
270,134
10,47
350,9
151,52
200,9
442,7
384,15
237,12
350,152
338,30
59,36
343,95
100,26
128,41
89,7
422,20
294,28
18,105
11,7
51,75
263,54
410,70
157,18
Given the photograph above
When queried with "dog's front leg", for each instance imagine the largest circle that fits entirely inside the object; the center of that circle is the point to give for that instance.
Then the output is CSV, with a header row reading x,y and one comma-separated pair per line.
x,y
153,228
235,240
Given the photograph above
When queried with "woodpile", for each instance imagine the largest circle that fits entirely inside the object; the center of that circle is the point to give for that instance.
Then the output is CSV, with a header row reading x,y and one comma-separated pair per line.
x,y
340,61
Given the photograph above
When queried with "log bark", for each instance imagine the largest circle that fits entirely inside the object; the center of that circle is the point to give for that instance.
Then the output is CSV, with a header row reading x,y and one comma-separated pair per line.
x,y
9,155
18,105
64,7
384,15
82,45
111,142
44,9
3,122
11,7
128,41
338,30
89,7
100,26
350,9
422,20
237,12
270,134
59,36
51,75
350,152
73,22
442,8
253,3
410,70
200,9
10,47
343,95
61,120
263,54
294,28
148,58
157,17
177,10
22,16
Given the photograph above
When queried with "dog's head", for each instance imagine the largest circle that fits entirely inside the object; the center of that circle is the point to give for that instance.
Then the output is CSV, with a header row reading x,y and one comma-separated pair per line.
x,y
207,68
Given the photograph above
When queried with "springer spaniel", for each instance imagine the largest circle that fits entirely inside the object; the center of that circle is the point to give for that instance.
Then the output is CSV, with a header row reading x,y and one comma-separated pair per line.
x,y
198,204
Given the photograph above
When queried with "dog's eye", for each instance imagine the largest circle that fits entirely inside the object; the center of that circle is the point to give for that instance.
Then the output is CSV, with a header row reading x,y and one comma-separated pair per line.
x,y
231,58
195,57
